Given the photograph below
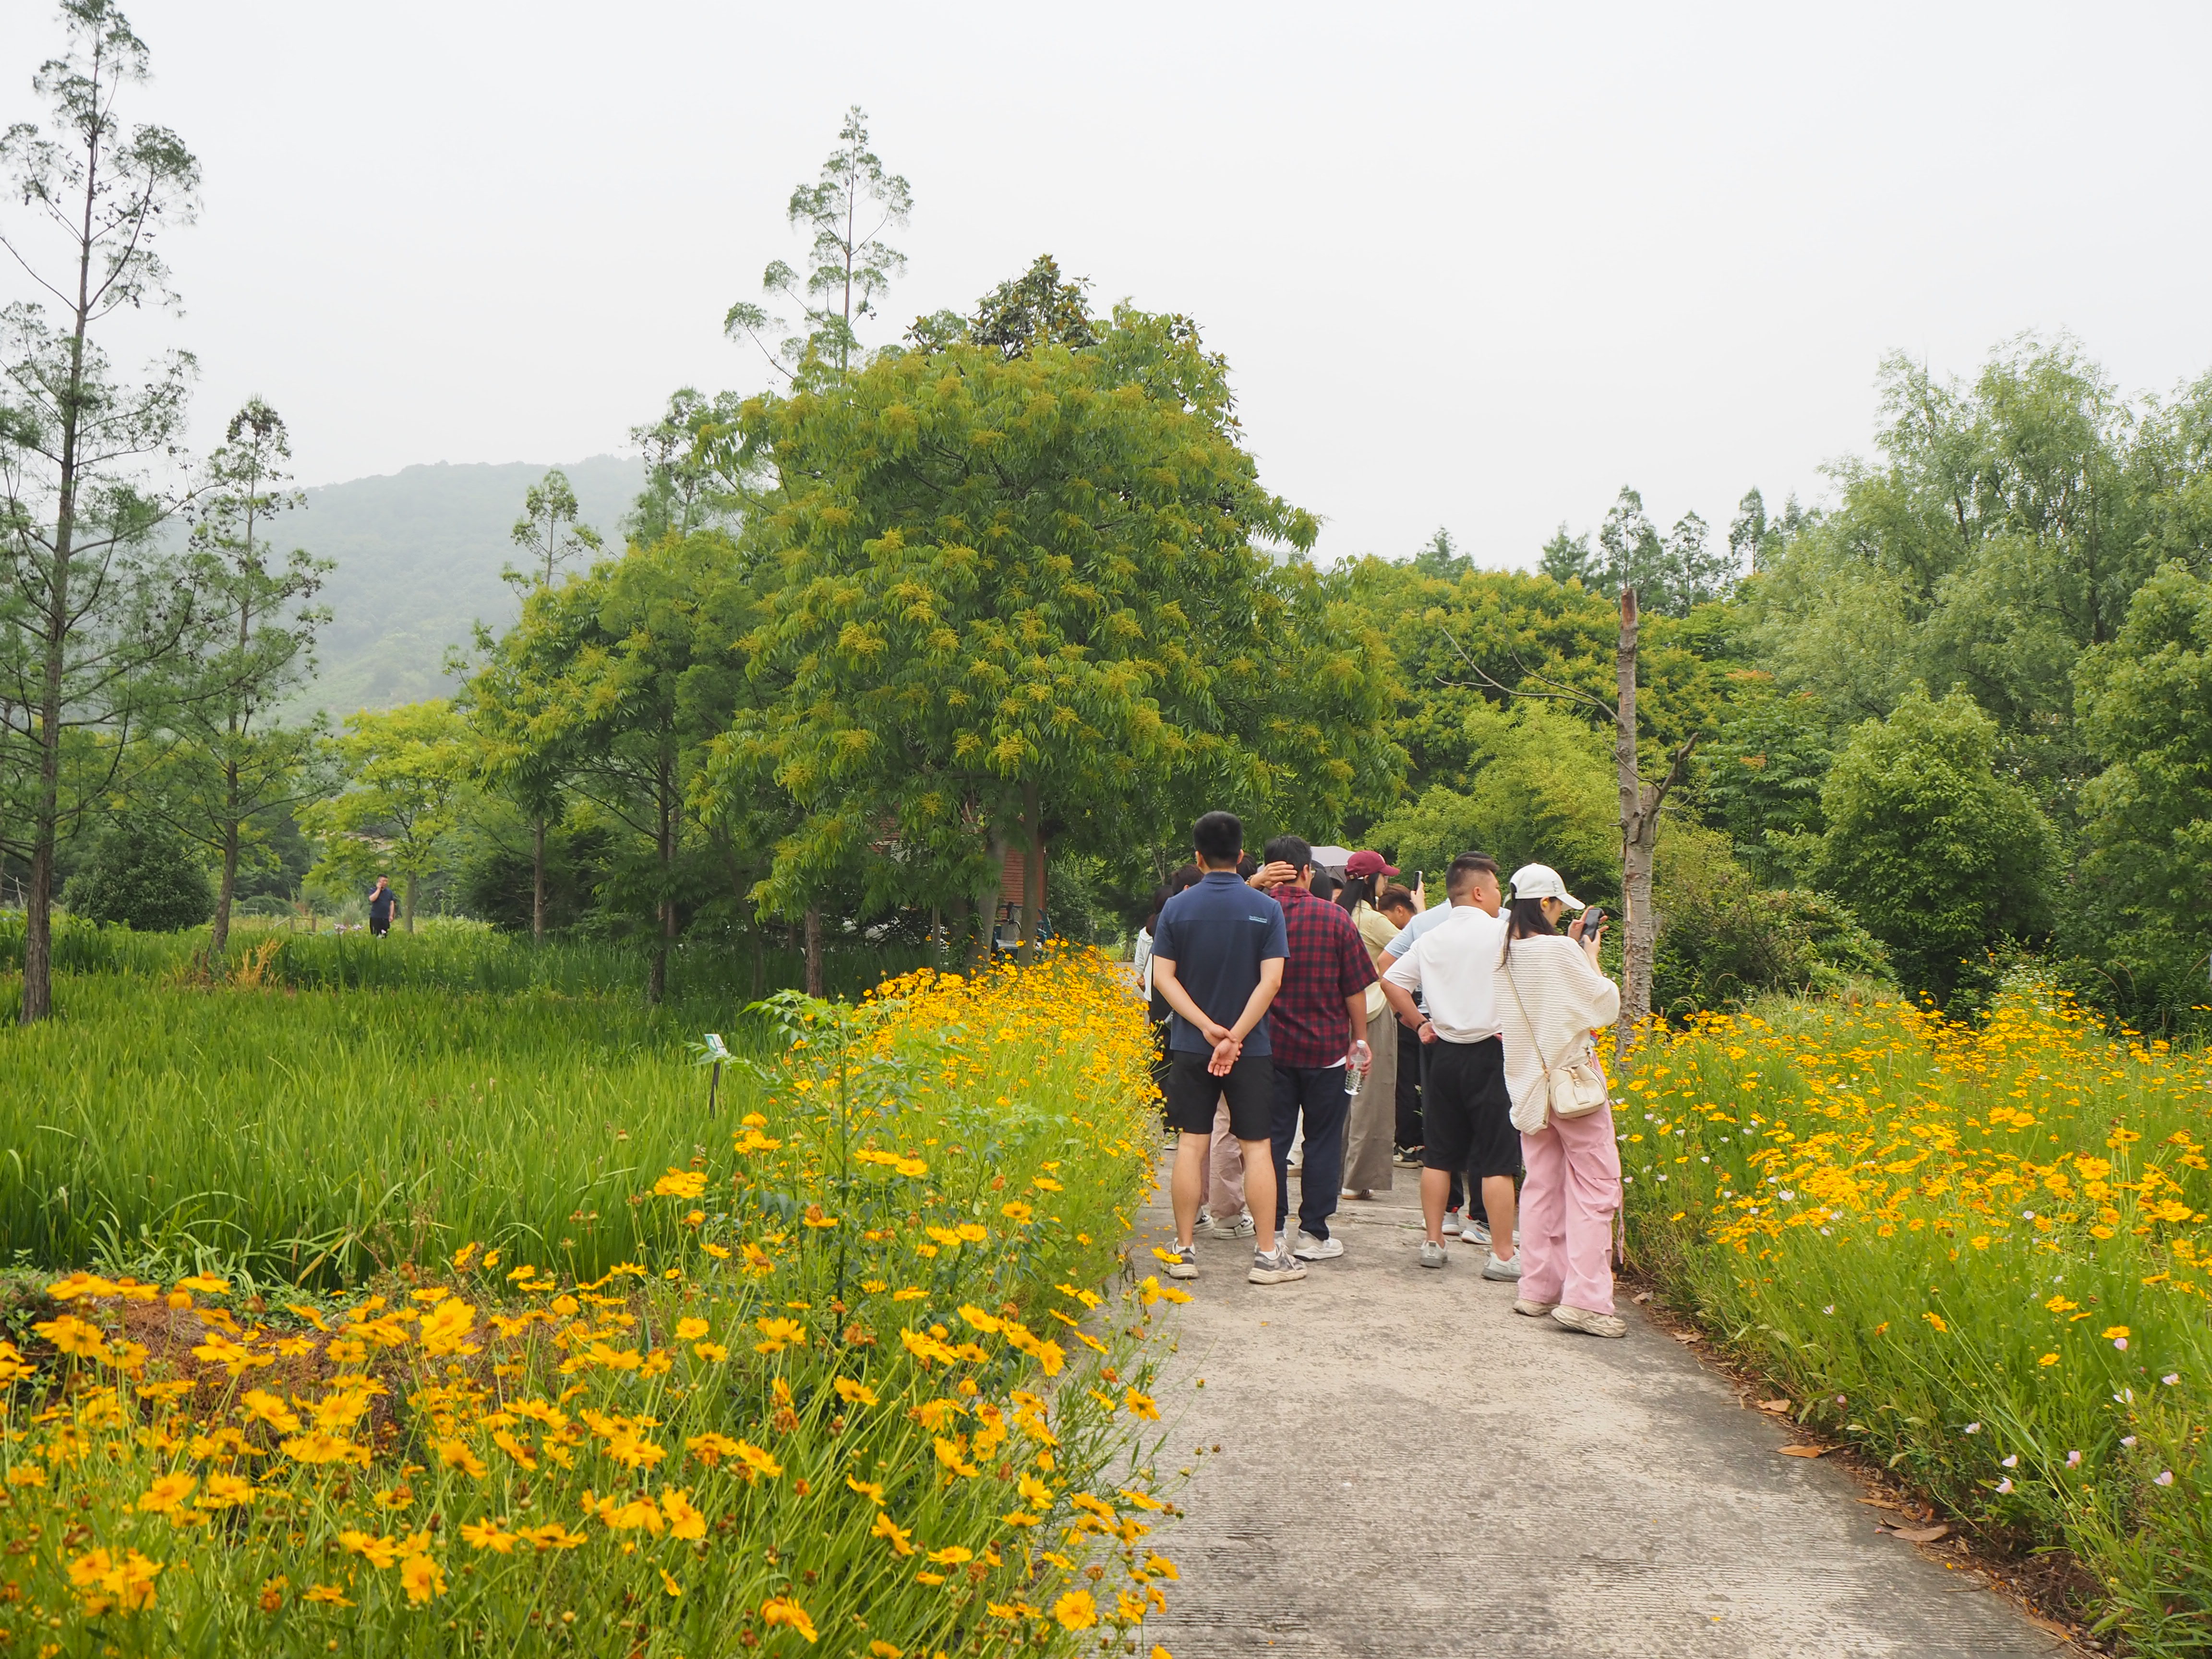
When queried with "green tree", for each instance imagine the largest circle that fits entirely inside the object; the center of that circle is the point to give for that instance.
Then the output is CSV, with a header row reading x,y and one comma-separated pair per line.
x,y
684,491
407,772
228,770
1541,790
617,680
1009,600
1760,774
849,268
1944,861
143,875
548,529
2144,902
88,614
1567,558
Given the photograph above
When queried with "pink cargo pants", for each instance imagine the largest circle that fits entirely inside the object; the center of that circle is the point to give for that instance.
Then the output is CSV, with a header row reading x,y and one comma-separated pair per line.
x,y
1567,1206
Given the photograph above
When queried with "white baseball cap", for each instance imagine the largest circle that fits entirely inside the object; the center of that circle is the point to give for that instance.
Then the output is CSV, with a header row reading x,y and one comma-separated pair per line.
x,y
1539,881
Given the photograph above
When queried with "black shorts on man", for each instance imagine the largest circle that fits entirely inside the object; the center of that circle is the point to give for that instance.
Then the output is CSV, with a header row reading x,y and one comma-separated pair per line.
x,y
1193,1092
1467,1112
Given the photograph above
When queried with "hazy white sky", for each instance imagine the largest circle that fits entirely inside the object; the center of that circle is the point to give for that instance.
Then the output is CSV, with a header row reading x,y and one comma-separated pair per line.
x,y
1474,265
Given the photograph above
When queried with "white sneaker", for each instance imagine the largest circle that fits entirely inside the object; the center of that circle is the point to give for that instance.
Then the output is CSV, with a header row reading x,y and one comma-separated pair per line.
x,y
1276,1269
1474,1232
1432,1255
1494,1268
1453,1224
1309,1249
1589,1321
1242,1227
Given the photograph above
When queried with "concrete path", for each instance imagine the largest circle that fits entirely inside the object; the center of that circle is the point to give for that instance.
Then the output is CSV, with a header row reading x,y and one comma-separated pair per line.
x,y
1408,1469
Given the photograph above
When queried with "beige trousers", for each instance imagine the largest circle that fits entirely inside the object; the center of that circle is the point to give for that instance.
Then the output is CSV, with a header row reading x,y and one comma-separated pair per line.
x,y
1224,1187
1371,1130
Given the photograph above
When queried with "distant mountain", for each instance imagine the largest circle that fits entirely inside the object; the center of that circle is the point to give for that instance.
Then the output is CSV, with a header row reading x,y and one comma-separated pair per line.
x,y
419,554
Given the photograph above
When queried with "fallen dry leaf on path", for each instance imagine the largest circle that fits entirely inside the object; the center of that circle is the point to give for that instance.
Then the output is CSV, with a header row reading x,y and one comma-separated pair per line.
x,y
1641,1296
1683,1336
1918,1534
1774,1404
1804,1452
1881,1503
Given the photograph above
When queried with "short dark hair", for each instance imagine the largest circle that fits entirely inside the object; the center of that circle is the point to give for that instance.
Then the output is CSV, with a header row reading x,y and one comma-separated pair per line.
x,y
1466,868
1219,838
1293,850
1393,897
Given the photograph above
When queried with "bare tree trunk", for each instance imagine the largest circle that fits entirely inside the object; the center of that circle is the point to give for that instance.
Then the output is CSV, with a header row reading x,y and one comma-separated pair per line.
x,y
1032,874
219,934
656,978
538,881
1639,835
407,905
813,952
1640,935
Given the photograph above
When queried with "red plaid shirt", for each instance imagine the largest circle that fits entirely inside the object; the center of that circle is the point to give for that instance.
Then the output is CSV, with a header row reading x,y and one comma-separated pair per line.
x,y
1307,1023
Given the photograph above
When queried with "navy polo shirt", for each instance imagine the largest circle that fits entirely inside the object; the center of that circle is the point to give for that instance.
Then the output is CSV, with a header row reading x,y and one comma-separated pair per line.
x,y
1217,933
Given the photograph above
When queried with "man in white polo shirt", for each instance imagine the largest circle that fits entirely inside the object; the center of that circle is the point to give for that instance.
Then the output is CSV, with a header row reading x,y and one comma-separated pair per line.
x,y
1466,1112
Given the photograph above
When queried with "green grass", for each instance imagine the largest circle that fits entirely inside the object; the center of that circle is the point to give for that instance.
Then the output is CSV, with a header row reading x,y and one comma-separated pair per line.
x,y
456,956
315,1134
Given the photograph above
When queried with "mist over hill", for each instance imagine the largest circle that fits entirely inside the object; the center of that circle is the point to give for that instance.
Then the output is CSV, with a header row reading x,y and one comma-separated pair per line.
x,y
419,553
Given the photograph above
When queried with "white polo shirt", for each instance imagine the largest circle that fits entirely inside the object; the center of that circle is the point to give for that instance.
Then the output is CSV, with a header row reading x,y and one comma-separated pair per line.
x,y
1453,966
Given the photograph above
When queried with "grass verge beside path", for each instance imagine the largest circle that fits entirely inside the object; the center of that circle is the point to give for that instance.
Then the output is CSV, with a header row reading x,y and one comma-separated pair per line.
x,y
1978,1252
847,1405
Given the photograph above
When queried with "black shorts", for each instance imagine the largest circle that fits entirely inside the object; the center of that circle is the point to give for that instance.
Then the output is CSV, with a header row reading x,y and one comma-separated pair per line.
x,y
1193,1093
1466,1115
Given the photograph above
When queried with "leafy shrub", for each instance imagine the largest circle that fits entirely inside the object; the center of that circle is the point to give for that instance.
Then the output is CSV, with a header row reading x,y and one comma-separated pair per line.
x,y
1723,938
144,876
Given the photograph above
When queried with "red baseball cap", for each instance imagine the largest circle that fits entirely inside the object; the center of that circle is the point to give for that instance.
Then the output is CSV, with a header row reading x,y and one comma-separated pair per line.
x,y
1368,864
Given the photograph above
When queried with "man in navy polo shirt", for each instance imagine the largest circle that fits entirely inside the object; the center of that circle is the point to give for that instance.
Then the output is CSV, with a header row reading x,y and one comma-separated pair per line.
x,y
1217,959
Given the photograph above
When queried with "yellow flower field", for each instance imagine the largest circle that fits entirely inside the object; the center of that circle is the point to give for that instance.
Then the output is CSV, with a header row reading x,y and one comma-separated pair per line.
x,y
1980,1252
874,1406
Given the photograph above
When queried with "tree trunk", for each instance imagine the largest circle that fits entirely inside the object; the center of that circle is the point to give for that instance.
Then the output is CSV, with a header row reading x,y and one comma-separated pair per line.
x,y
813,952
538,881
1032,874
1639,835
407,905
656,983
219,934
956,932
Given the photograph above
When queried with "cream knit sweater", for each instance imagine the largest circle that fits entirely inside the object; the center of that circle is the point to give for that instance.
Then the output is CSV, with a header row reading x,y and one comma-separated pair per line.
x,y
1566,998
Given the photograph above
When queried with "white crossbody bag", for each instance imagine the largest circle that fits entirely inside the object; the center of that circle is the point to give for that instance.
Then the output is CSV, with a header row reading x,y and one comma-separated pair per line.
x,y
1575,1090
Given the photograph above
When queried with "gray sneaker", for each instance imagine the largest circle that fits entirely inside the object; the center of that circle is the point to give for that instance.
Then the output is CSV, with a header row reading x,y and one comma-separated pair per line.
x,y
1589,1321
1185,1265
1453,1224
1242,1227
1277,1267
1433,1255
1474,1232
1494,1268
1309,1249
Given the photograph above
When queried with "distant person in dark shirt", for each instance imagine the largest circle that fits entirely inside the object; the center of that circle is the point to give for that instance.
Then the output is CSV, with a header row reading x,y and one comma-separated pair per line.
x,y
380,907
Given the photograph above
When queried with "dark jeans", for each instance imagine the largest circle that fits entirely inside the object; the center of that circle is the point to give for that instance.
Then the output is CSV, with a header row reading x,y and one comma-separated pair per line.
x,y
1412,1070
379,926
1317,1092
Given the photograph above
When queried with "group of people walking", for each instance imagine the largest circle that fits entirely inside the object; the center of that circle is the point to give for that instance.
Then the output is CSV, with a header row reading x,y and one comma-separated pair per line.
x,y
1465,1029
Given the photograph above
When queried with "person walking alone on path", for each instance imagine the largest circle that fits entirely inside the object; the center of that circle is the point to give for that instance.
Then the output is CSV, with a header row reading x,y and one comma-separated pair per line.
x,y
1371,1127
1555,995
1316,1027
381,901
1466,1115
1217,959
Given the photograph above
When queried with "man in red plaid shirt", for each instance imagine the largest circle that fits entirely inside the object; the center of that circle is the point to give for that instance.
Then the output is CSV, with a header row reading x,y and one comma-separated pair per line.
x,y
1316,1024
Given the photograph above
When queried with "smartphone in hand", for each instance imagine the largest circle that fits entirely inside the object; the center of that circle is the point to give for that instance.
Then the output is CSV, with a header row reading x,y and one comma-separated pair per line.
x,y
1593,919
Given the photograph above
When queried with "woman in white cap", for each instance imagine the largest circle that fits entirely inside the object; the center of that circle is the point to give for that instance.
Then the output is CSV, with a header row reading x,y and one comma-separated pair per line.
x,y
1554,995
